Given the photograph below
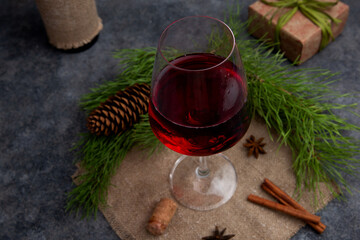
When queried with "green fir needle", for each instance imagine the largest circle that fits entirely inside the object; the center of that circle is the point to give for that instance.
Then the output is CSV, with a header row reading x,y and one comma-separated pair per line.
x,y
298,104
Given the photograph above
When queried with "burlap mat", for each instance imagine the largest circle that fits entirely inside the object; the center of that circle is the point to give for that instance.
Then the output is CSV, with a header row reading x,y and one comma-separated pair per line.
x,y
70,24
142,181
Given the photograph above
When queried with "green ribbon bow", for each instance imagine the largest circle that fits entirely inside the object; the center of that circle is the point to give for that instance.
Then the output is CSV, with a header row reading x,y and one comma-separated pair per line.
x,y
312,9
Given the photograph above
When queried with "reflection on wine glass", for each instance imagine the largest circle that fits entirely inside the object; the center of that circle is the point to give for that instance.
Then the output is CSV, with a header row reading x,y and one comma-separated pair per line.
x,y
199,108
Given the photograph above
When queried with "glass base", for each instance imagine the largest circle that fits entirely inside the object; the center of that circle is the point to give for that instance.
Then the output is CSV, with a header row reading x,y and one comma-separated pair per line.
x,y
201,190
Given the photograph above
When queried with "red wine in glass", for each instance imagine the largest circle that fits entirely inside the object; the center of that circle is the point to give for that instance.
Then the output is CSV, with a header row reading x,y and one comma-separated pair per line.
x,y
199,108
199,113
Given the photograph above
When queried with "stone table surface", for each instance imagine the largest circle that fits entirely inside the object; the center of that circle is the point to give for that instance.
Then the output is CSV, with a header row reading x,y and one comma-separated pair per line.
x,y
40,118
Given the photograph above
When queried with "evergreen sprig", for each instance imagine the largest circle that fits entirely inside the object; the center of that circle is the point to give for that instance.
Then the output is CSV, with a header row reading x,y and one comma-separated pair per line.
x,y
300,105
99,156
297,103
136,66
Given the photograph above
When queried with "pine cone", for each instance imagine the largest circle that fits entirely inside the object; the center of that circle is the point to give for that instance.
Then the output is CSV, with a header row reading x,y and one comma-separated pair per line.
x,y
121,111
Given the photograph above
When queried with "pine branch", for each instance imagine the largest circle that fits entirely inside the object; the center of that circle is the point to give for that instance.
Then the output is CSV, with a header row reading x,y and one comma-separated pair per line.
x,y
299,104
137,66
100,156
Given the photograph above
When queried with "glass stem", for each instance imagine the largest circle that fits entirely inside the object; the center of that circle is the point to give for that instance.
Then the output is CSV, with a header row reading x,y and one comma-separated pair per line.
x,y
202,170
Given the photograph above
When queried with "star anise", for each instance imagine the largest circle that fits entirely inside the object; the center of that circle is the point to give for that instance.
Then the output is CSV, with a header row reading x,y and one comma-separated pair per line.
x,y
219,235
255,146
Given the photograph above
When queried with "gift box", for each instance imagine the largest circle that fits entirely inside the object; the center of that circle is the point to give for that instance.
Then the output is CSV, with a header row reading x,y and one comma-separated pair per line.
x,y
300,38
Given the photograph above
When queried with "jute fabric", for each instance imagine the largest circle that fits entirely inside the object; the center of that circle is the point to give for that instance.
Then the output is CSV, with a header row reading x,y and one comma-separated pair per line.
x,y
141,181
70,24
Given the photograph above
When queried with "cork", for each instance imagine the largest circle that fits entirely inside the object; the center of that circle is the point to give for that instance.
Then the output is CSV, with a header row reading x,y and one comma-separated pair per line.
x,y
161,216
70,24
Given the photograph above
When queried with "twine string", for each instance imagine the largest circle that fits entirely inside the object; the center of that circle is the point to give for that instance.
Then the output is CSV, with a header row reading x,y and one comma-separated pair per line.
x,y
312,9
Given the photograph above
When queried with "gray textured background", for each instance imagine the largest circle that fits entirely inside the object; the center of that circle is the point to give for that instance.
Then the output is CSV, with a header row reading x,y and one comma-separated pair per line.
x,y
40,119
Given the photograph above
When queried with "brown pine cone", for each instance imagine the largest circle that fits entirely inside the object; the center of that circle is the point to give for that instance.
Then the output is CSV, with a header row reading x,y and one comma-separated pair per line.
x,y
121,111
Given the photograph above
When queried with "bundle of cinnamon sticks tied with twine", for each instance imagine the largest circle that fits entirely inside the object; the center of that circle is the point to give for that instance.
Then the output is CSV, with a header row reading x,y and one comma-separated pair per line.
x,y
287,205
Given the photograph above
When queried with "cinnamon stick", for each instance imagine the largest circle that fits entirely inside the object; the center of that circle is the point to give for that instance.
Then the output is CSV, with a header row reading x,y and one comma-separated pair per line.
x,y
285,199
319,227
285,209
268,190
283,195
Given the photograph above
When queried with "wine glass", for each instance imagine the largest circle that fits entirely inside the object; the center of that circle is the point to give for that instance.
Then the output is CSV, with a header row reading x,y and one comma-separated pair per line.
x,y
199,108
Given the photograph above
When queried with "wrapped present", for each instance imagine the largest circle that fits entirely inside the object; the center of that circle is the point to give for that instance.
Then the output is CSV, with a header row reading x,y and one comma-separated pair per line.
x,y
299,38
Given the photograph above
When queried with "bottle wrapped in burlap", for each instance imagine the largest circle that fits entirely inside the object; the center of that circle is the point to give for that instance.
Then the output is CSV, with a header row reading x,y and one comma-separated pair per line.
x,y
70,24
